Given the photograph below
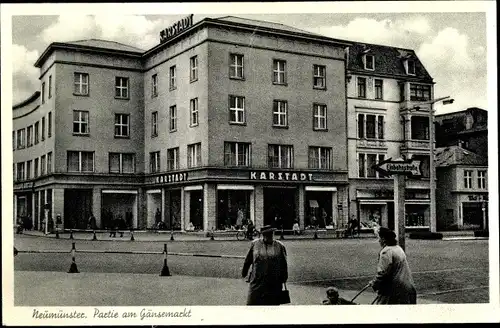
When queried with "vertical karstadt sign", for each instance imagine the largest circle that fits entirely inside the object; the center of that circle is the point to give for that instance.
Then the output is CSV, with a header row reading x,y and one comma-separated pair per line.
x,y
176,28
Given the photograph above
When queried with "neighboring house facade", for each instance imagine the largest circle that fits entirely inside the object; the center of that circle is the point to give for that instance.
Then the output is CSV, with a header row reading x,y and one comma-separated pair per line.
x,y
462,193
467,128
227,120
384,85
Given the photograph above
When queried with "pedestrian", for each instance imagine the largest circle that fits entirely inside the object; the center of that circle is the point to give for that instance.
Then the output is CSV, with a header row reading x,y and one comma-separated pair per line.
x,y
296,228
393,282
269,269
239,218
92,222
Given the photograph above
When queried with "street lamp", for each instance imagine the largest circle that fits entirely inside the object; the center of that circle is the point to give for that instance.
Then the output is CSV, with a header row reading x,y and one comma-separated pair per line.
x,y
432,166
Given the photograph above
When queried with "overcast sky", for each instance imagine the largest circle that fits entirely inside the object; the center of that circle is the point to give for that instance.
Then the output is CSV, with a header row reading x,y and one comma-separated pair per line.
x,y
452,46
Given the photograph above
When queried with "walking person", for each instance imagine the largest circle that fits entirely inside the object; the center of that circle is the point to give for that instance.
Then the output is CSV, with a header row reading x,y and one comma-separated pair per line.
x,y
269,269
393,282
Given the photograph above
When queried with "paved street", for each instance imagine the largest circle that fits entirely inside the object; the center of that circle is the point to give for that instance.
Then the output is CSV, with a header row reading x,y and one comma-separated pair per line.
x,y
444,271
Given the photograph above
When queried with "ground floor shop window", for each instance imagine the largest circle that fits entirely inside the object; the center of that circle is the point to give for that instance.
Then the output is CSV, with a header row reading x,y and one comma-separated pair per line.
x,y
472,215
173,221
233,208
318,209
416,215
280,208
196,209
118,210
77,208
371,214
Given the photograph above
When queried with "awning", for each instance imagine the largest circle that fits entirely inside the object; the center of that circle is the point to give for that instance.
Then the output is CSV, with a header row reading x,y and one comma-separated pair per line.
x,y
234,187
153,191
313,203
190,188
320,188
118,191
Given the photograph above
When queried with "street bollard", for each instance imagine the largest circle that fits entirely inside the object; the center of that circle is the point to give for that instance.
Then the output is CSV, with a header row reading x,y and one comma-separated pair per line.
x,y
315,234
165,272
71,234
132,235
171,234
57,234
282,234
95,237
73,268
212,234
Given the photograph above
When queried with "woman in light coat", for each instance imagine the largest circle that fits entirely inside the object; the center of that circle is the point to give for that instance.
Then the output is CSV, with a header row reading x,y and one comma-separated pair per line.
x,y
393,282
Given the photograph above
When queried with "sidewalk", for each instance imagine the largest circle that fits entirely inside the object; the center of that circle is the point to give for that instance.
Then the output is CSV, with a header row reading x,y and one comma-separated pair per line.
x,y
42,288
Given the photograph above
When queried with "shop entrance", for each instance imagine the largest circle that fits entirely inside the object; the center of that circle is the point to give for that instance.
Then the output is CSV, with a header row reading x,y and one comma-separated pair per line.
x,y
279,203
173,221
233,208
77,208
119,210
318,209
473,215
196,209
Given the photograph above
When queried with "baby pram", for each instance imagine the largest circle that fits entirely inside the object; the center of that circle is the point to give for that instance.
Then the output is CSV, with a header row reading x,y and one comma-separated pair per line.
x,y
343,301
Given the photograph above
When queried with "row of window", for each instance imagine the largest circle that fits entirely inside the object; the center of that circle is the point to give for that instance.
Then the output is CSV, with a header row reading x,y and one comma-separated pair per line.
x,y
372,126
39,167
239,154
366,162
27,137
469,181
43,89
81,125
81,85
369,64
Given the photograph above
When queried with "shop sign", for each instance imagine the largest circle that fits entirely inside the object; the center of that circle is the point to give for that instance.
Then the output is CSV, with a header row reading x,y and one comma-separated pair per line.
x,y
478,197
280,176
176,28
169,178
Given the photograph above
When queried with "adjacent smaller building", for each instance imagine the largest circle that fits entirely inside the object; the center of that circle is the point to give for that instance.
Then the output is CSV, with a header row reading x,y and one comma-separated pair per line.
x,y
462,193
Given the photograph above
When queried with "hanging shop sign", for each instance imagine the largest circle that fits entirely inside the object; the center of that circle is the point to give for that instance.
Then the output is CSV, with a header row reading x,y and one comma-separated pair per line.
x,y
176,28
280,176
169,178
478,197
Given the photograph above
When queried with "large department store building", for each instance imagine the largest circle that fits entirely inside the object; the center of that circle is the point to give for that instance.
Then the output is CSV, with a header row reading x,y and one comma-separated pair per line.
x,y
224,119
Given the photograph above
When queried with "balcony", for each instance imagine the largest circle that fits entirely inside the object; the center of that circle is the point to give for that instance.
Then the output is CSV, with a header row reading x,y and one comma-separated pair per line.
x,y
371,143
414,107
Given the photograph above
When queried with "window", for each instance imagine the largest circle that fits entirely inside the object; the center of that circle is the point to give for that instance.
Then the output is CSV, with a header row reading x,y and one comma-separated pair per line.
x,y
50,86
35,169
280,156
320,158
279,71
194,155
319,77
236,154
20,171
154,162
43,92
28,169
80,161
420,92
319,117
154,124
20,138
236,109
43,128
379,89
280,113
193,106
121,163
361,87
236,66
193,68
172,78
122,128
43,165
81,84
49,163
154,85
37,133
366,163
29,136
410,67
173,118
370,62
49,131
468,179
370,126
420,128
80,122
173,159
425,164
481,179
121,87
14,140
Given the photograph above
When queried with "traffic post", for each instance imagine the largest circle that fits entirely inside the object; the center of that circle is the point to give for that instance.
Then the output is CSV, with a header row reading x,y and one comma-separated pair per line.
x,y
399,169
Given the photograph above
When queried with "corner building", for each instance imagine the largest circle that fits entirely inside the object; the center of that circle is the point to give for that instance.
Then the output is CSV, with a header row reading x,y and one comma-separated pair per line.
x,y
228,120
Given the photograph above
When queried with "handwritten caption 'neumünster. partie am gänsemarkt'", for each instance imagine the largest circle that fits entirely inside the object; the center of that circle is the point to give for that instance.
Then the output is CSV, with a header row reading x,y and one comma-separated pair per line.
x,y
111,314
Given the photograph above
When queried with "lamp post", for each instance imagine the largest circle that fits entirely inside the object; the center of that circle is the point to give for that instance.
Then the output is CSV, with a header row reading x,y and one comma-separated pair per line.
x,y
432,165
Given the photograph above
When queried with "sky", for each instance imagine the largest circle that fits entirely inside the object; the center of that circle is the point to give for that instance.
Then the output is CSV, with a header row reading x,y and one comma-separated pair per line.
x,y
452,46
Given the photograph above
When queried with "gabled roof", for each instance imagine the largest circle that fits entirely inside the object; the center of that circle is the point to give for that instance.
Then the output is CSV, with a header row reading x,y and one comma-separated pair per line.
x,y
260,23
388,60
456,155
98,43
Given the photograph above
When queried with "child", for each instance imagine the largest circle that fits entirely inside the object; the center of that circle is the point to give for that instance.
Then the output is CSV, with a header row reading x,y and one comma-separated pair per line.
x,y
333,298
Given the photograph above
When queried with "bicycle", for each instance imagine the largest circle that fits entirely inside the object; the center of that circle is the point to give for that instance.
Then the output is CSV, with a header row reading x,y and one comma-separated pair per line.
x,y
242,234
